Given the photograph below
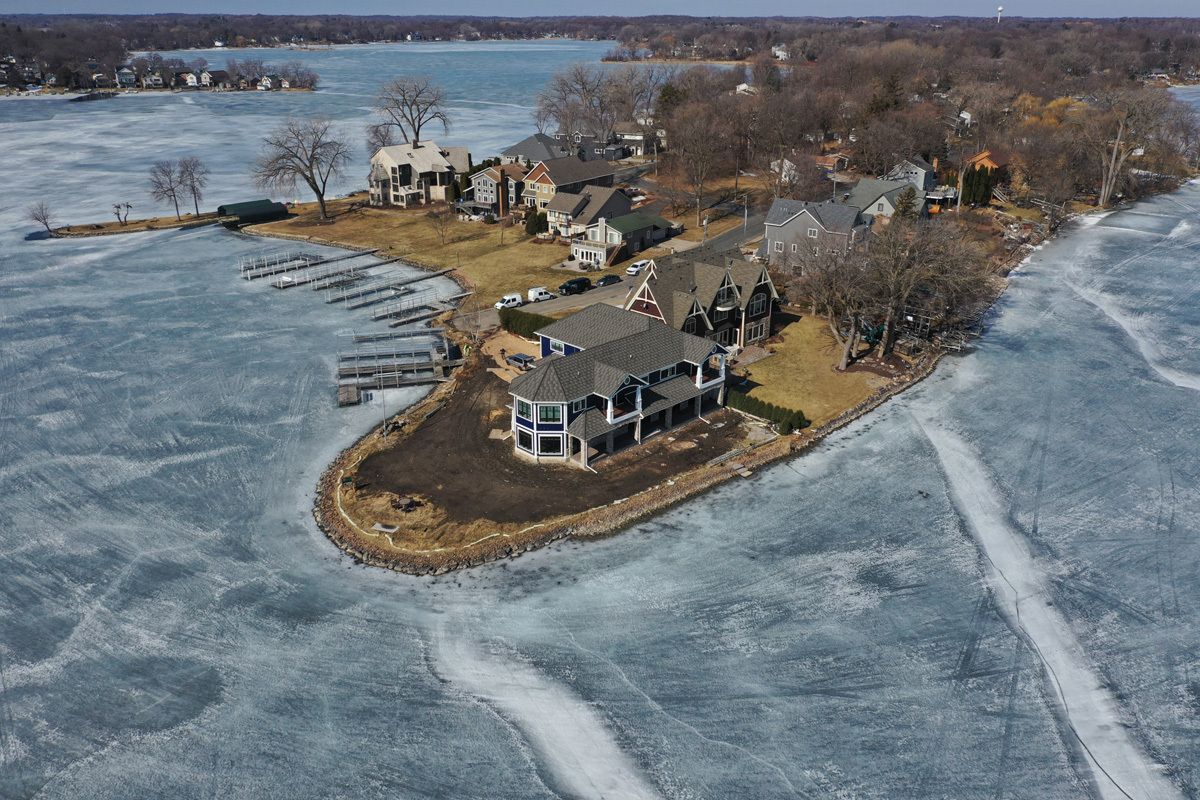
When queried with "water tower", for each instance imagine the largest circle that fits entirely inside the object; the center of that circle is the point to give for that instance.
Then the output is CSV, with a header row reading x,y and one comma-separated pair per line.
x,y
999,11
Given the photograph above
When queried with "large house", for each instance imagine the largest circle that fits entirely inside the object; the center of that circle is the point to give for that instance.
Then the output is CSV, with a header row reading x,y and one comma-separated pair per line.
x,y
499,188
533,149
877,198
570,174
608,378
570,214
819,227
589,146
723,299
415,173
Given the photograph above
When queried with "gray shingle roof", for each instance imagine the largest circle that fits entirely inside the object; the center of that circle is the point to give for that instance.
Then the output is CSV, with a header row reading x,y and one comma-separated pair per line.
x,y
538,147
594,325
565,171
866,193
669,393
620,344
680,282
834,217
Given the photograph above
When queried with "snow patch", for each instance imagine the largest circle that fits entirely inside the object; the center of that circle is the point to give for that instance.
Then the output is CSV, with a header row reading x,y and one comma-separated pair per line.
x,y
1120,769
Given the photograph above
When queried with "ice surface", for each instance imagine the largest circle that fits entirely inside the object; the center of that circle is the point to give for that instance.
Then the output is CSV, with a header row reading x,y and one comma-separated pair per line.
x,y
173,625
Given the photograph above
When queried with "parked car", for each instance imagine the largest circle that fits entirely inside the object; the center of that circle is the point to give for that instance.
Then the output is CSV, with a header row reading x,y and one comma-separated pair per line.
x,y
575,286
520,361
538,293
509,301
636,267
608,280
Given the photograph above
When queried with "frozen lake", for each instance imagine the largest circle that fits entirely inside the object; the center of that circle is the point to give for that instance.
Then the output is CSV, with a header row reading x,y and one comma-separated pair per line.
x,y
172,624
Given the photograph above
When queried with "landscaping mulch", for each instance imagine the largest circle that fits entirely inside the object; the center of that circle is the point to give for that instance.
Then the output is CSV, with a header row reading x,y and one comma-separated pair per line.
x,y
451,461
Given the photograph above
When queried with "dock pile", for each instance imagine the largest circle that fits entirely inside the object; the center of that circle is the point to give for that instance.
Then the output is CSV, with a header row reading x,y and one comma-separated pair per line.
x,y
392,294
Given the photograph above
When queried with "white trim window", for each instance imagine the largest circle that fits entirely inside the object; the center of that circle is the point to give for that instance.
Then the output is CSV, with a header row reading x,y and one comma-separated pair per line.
x,y
557,347
550,445
778,247
879,207
758,304
549,415
525,440
666,373
795,247
812,233
578,405
524,410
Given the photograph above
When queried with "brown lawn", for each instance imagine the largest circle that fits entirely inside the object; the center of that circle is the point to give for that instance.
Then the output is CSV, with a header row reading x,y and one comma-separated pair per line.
x,y
802,374
135,225
472,485
474,248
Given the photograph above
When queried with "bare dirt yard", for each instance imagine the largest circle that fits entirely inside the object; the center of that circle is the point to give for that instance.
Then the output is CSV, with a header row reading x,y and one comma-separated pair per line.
x,y
452,462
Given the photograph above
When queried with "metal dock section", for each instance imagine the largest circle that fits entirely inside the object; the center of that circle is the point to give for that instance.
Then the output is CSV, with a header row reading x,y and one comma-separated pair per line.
x,y
372,361
392,360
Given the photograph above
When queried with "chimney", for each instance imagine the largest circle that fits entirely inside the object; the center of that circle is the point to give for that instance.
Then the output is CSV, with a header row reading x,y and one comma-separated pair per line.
x,y
935,163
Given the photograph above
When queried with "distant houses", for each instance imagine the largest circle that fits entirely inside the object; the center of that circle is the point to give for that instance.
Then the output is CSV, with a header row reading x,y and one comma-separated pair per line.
x,y
607,241
879,198
535,148
570,213
497,190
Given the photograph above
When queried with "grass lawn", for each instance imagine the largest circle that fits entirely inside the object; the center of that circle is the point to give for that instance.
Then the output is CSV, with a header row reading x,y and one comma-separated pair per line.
x,y
473,247
801,374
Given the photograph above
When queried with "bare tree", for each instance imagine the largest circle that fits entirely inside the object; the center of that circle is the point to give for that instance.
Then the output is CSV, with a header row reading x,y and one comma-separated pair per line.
x,y
697,148
1121,123
41,213
379,135
410,103
165,185
302,149
441,220
193,177
584,98
833,282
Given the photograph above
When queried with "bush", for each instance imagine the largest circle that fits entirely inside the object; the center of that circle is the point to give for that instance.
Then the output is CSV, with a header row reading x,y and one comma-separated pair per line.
x,y
489,219
787,419
522,323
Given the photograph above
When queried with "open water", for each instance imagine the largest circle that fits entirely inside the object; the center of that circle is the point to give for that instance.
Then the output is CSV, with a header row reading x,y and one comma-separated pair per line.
x,y
987,589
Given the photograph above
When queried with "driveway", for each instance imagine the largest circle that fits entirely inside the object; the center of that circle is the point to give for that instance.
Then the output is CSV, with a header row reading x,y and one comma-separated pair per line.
x,y
613,295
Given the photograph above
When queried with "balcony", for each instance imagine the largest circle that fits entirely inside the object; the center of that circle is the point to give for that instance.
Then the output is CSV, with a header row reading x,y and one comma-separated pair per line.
x,y
726,301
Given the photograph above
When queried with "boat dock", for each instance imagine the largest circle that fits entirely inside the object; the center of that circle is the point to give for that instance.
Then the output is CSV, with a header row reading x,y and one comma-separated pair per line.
x,y
361,280
392,360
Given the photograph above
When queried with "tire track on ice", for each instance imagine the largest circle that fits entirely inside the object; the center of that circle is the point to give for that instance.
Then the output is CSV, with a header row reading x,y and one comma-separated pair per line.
x,y
1120,769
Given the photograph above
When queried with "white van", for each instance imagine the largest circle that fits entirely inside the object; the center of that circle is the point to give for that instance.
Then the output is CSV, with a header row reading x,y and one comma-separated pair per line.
x,y
509,301
538,293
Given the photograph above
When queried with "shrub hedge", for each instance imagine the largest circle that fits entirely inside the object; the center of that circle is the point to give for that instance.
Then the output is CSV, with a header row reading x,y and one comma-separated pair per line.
x,y
787,419
522,323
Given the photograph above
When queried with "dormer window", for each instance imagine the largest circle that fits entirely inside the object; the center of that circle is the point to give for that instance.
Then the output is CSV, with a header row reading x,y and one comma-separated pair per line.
x,y
557,347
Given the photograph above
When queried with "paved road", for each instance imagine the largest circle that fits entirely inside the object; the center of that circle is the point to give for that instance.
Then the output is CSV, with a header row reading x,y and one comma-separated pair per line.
x,y
613,295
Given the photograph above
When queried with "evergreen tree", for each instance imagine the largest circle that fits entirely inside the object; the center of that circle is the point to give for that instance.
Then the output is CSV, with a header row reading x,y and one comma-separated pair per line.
x,y
906,203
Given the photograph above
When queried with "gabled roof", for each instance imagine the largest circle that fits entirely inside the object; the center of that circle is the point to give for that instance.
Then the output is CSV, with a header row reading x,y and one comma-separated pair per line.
x,y
917,162
501,172
635,345
866,193
538,147
587,206
997,157
427,157
834,217
565,171
678,285
594,325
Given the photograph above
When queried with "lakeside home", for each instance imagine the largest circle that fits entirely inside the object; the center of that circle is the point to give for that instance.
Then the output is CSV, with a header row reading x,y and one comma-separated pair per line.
x,y
609,378
415,173
730,303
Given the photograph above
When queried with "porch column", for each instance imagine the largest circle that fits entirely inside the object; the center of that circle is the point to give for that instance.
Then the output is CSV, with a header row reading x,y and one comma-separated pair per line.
x,y
608,443
697,401
667,419
583,448
637,431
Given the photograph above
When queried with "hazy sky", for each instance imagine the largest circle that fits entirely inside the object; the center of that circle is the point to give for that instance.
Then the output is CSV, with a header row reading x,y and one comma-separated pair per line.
x,y
1043,8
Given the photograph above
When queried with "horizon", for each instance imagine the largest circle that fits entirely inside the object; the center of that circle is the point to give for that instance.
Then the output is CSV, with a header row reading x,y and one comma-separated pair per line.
x,y
772,9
